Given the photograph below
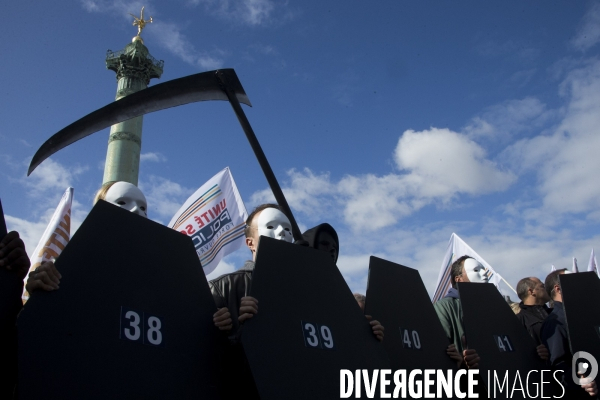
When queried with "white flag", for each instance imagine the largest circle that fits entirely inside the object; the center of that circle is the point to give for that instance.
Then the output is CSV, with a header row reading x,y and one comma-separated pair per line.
x,y
575,269
553,268
215,218
458,248
55,237
593,264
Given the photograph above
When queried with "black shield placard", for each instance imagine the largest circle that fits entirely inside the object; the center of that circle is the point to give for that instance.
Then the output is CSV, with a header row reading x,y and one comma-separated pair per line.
x,y
414,338
3,230
308,326
11,288
132,317
581,299
504,346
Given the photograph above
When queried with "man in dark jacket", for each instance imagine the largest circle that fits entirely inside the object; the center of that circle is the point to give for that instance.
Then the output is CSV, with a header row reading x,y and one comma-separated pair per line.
x,y
534,297
231,291
555,337
231,295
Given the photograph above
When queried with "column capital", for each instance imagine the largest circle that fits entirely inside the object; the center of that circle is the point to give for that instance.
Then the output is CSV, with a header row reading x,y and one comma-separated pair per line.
x,y
134,62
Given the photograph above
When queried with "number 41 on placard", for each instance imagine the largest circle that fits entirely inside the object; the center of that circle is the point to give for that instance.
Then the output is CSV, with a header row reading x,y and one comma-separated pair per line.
x,y
504,344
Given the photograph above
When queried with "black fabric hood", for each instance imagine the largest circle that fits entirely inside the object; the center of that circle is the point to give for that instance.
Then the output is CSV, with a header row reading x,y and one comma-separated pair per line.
x,y
311,236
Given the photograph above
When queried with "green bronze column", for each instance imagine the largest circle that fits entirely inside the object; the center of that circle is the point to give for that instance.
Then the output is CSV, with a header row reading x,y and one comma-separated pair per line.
x,y
134,67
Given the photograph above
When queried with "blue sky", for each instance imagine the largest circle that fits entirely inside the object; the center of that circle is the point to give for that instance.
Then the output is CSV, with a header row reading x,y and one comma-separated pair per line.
x,y
398,122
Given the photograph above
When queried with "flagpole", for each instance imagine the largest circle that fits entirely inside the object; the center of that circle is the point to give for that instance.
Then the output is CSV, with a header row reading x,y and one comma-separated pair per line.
x,y
508,284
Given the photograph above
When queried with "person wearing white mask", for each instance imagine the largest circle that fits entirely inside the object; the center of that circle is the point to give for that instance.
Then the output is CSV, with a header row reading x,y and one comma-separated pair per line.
x,y
230,291
231,295
122,194
449,309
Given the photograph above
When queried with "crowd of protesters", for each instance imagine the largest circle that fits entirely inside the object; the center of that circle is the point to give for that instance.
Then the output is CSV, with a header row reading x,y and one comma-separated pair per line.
x,y
234,305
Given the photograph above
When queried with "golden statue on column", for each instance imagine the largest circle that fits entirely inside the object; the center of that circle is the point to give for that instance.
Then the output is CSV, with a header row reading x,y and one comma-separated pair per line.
x,y
140,22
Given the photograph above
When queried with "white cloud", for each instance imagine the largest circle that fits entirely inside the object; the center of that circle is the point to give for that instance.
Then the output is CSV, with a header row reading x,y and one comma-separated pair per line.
x,y
371,202
437,166
352,265
51,175
257,11
565,160
90,5
507,119
164,197
29,231
152,157
222,268
588,34
249,12
120,8
170,37
45,187
32,230
304,194
443,163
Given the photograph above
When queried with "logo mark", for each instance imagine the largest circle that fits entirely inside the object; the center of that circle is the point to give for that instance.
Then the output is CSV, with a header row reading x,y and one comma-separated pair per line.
x,y
579,368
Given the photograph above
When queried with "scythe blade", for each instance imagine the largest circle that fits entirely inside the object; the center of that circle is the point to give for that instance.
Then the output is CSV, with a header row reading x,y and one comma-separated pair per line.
x,y
190,89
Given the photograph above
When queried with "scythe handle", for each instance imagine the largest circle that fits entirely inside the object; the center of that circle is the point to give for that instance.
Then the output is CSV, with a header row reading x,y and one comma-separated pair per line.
x,y
260,155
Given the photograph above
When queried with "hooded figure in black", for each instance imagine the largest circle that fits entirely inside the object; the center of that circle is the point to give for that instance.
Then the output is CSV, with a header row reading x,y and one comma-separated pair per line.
x,y
323,237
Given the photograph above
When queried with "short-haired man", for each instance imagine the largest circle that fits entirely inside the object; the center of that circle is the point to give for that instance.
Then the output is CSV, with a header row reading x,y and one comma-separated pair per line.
x,y
534,297
231,295
231,291
555,337
360,299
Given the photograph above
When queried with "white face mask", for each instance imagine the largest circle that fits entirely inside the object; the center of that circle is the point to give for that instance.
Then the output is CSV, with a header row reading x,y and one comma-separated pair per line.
x,y
127,196
475,271
273,223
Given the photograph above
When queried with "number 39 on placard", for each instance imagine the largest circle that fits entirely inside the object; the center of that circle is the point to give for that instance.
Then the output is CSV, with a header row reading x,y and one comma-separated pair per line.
x,y
317,336
141,327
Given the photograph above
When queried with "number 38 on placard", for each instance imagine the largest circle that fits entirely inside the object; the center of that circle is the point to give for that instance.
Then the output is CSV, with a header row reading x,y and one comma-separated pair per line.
x,y
141,327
